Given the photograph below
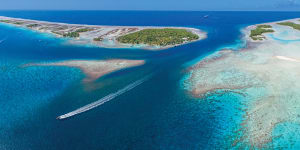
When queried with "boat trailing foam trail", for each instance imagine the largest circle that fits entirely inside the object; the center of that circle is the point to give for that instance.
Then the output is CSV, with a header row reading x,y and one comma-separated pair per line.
x,y
104,99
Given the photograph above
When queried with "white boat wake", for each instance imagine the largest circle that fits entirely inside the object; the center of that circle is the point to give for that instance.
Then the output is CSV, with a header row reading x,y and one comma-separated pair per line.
x,y
2,40
104,99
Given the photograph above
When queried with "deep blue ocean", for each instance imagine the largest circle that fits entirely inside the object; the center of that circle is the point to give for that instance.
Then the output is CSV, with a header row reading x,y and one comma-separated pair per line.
x,y
159,114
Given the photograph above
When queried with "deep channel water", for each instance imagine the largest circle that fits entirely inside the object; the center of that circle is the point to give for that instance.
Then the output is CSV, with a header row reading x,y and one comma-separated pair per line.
x,y
159,114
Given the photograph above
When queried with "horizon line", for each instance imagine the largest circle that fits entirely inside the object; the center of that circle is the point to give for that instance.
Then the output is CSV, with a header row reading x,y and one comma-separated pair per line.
x,y
151,10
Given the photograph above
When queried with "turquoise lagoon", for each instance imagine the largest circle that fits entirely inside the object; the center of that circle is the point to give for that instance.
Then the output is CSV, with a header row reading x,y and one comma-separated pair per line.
x,y
159,114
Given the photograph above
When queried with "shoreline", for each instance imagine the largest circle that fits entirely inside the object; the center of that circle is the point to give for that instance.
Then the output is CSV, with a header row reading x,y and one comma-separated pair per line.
x,y
108,34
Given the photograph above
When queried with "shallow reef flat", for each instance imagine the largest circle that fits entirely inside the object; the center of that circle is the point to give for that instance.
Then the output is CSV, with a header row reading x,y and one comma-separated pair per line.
x,y
94,69
267,75
102,36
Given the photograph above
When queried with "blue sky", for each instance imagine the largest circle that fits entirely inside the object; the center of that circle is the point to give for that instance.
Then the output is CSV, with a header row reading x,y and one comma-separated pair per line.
x,y
280,5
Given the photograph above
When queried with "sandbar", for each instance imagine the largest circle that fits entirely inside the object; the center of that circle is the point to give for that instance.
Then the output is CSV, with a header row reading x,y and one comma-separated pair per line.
x,y
94,69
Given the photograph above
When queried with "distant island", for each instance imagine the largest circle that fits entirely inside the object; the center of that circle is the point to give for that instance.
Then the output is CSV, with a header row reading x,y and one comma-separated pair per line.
x,y
152,38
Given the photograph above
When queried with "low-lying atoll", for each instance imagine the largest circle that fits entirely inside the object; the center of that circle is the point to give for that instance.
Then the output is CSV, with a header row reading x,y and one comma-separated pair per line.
x,y
152,38
267,75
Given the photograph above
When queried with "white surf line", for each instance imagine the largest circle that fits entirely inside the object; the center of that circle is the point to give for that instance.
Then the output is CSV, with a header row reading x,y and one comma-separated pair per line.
x,y
287,58
104,99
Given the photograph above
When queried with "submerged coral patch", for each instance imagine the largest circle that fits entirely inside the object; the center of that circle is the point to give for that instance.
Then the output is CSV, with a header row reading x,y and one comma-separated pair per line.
x,y
267,76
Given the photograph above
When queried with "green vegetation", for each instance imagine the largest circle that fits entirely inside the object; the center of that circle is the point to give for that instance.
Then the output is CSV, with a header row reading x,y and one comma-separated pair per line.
x,y
161,37
32,25
5,21
76,33
290,24
264,26
58,33
18,23
98,39
71,34
13,22
256,34
83,30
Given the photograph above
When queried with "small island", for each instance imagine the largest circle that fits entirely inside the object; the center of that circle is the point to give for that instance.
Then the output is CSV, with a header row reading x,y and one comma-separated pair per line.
x,y
150,38
290,24
160,37
257,33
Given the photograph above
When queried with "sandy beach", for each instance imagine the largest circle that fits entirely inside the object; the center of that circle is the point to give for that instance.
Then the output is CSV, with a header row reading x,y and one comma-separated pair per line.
x,y
94,69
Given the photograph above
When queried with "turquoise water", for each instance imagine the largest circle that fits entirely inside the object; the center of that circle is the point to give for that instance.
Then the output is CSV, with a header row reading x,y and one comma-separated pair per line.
x,y
158,114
